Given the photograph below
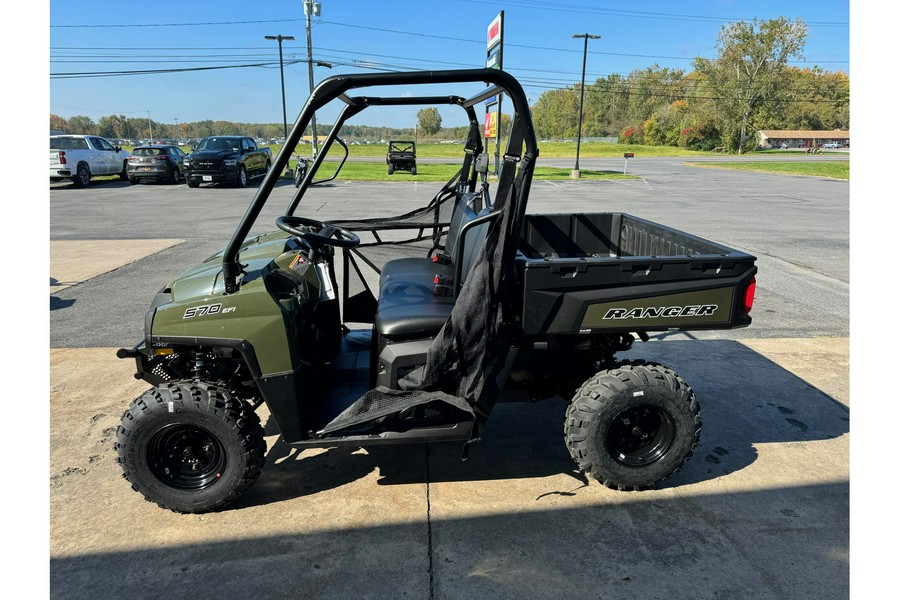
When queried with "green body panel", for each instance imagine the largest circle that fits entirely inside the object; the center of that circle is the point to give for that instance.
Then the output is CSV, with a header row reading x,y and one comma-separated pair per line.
x,y
199,307
668,311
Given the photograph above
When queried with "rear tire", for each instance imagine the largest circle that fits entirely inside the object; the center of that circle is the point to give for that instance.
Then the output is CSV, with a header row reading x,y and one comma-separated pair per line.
x,y
82,177
189,446
633,426
176,175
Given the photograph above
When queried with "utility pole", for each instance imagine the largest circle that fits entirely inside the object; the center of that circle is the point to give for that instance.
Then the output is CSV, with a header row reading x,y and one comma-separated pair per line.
x,y
577,172
310,8
150,122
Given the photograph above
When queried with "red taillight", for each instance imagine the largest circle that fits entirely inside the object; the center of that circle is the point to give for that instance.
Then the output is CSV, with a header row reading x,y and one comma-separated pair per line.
x,y
62,157
749,292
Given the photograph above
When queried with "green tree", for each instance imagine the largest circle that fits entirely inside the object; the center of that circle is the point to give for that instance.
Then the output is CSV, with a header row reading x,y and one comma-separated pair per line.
x,y
748,72
57,122
555,113
82,125
429,120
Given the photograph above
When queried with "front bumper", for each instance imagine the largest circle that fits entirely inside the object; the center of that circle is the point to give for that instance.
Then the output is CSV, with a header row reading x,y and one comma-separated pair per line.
x,y
212,176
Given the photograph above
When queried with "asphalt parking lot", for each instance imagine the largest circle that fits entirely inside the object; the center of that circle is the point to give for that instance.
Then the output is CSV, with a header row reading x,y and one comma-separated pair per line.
x,y
762,510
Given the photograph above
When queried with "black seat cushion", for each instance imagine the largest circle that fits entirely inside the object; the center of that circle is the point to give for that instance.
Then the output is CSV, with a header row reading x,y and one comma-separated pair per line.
x,y
411,310
413,270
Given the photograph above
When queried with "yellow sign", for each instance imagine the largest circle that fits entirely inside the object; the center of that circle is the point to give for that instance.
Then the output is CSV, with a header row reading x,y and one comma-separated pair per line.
x,y
490,125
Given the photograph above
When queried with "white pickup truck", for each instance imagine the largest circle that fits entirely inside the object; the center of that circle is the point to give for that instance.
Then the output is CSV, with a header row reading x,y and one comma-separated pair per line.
x,y
80,157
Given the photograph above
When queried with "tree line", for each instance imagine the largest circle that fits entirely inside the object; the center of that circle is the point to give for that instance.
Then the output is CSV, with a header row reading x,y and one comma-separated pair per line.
x,y
128,128
721,103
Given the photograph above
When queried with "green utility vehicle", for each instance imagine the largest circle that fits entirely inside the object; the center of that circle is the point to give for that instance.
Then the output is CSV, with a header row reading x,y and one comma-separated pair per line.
x,y
440,313
401,156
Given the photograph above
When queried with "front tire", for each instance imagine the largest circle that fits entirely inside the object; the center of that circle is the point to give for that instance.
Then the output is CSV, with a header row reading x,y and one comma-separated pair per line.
x,y
633,426
192,183
242,177
190,446
123,174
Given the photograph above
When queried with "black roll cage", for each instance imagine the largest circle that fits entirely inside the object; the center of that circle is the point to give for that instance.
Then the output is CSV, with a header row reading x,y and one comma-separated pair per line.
x,y
337,87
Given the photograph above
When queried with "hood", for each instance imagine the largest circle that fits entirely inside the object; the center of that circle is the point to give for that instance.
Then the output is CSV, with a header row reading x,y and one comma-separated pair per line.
x,y
208,154
205,279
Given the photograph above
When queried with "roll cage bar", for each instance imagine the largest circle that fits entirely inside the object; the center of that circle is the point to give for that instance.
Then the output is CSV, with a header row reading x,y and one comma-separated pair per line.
x,y
337,87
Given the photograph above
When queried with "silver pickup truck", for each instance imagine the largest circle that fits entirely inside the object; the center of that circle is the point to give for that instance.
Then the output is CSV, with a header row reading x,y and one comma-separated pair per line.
x,y
80,157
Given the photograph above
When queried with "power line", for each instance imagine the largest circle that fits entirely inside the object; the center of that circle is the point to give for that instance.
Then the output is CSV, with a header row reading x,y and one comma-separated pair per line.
x,y
431,36
153,72
579,8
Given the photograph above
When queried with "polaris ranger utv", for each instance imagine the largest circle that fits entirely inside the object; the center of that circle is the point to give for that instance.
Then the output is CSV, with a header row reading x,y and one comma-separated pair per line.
x,y
468,301
401,156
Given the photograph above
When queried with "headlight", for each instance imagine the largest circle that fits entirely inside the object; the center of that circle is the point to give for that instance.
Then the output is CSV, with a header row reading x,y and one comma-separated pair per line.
x,y
230,162
187,162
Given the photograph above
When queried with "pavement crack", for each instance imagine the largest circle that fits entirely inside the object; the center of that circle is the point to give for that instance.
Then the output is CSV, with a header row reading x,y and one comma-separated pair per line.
x,y
428,519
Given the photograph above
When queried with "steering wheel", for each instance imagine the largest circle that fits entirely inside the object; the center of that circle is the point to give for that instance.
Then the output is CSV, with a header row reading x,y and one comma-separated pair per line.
x,y
317,232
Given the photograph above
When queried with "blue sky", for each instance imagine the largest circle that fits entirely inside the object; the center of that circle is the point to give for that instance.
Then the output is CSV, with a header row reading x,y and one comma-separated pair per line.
x,y
356,35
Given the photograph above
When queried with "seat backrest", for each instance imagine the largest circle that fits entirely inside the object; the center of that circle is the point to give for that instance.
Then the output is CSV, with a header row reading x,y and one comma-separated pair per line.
x,y
466,209
472,244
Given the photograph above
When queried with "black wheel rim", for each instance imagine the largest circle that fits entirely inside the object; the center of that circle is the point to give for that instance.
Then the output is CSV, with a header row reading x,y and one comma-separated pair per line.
x,y
186,457
640,435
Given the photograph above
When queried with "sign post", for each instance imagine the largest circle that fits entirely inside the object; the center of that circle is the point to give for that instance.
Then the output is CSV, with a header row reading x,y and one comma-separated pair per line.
x,y
494,61
627,156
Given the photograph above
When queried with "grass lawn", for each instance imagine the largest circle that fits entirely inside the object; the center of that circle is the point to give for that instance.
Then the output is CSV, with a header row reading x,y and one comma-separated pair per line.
x,y
833,169
547,150
377,171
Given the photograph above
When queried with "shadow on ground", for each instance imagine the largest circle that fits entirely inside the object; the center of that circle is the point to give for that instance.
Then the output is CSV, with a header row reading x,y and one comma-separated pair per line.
x,y
781,543
745,400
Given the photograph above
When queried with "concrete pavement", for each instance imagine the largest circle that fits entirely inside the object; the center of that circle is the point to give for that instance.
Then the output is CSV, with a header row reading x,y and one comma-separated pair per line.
x,y
761,511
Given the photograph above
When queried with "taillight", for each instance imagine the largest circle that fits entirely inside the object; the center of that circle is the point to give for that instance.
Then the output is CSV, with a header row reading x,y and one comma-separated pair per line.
x,y
62,157
749,292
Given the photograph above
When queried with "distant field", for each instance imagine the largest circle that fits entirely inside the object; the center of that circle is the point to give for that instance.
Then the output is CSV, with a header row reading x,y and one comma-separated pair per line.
x,y
833,169
372,171
547,150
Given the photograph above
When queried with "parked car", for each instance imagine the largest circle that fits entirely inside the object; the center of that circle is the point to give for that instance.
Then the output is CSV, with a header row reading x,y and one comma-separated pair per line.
x,y
832,145
226,159
80,157
157,162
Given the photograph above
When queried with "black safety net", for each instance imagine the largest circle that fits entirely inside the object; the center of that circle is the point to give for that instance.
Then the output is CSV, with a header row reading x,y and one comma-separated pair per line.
x,y
469,352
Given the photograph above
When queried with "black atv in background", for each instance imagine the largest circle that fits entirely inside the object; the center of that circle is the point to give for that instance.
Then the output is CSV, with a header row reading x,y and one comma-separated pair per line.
x,y
469,301
401,156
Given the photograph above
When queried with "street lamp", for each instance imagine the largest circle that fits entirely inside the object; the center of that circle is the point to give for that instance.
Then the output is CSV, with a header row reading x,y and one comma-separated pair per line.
x,y
577,172
280,39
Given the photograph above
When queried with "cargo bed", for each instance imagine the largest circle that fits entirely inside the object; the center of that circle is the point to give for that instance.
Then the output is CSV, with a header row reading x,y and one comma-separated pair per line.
x,y
594,272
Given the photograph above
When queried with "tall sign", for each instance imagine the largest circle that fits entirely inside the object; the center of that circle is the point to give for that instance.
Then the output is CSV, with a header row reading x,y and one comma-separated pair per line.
x,y
493,104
